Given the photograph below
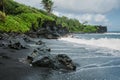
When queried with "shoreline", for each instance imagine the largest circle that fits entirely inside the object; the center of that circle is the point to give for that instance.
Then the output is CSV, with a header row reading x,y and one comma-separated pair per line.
x,y
88,60
14,61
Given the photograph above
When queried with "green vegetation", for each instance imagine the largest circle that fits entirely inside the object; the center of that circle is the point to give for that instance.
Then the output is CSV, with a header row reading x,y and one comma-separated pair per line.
x,y
2,16
13,24
72,24
90,29
20,18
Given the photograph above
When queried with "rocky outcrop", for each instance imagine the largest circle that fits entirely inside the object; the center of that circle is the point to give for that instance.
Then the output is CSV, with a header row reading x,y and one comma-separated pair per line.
x,y
60,61
40,55
65,62
49,30
45,61
101,29
4,36
14,40
14,43
17,44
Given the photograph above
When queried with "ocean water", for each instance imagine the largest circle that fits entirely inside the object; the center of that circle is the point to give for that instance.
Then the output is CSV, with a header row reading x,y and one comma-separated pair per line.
x,y
106,40
97,56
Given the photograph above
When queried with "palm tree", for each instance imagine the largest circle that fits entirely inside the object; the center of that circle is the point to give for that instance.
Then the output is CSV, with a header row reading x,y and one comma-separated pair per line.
x,y
48,5
2,5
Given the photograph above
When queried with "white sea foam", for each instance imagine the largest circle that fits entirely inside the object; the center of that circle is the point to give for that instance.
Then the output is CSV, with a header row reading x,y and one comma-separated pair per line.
x,y
112,33
110,43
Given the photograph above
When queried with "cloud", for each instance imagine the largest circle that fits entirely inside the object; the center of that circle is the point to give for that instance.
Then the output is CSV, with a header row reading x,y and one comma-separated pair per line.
x,y
93,11
91,18
86,17
33,3
100,18
86,6
78,6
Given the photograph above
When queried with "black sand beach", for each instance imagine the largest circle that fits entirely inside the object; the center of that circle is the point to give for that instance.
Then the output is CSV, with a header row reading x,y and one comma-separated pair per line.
x,y
91,64
14,64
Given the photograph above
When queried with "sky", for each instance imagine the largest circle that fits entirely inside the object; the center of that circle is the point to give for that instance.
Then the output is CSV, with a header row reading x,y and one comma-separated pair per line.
x,y
96,12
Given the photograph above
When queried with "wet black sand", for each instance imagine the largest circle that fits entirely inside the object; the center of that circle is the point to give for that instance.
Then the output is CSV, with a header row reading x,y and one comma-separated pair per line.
x,y
90,65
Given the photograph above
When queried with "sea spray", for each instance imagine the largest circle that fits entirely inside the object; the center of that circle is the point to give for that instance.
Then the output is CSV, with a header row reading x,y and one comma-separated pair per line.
x,y
110,43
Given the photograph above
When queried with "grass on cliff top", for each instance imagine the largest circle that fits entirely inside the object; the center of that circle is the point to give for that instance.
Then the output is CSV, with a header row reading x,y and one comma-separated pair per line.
x,y
22,22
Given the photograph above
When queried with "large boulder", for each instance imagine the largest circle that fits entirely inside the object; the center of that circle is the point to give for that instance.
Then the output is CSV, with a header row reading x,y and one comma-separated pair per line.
x,y
17,43
65,62
40,52
45,61
14,43
60,61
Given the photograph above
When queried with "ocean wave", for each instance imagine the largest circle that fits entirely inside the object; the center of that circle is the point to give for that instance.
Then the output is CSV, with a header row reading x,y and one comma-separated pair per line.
x,y
112,33
110,43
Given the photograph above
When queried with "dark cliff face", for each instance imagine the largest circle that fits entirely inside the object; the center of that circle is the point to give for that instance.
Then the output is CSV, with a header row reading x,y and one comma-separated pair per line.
x,y
49,30
101,29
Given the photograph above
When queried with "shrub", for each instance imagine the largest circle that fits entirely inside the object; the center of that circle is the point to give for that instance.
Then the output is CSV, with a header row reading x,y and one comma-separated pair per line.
x,y
13,24
90,29
32,18
2,16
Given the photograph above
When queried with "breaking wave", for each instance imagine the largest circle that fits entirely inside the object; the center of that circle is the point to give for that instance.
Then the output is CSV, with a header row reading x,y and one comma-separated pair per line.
x,y
110,43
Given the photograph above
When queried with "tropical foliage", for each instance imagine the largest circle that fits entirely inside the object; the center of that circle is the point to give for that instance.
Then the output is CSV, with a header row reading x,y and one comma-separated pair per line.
x,y
48,5
2,16
90,29
72,24
20,18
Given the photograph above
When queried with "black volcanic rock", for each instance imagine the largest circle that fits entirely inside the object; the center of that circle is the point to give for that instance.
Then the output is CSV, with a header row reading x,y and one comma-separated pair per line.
x,y
17,44
101,29
4,36
49,30
14,43
46,61
60,61
66,62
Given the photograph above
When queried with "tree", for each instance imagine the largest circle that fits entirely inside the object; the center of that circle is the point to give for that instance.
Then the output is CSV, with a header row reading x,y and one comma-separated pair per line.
x,y
48,5
2,16
2,10
2,5
85,22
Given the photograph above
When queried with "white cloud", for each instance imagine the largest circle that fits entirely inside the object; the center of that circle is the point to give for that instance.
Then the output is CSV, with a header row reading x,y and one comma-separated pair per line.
x,y
91,18
79,6
33,3
100,18
86,17
84,10
86,6
92,11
